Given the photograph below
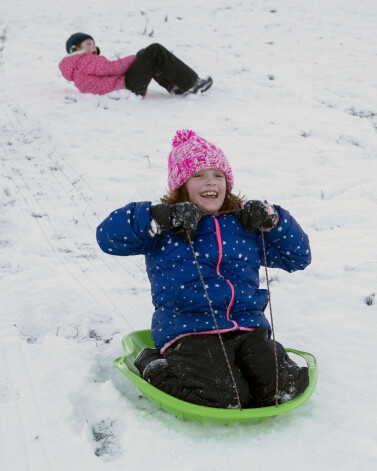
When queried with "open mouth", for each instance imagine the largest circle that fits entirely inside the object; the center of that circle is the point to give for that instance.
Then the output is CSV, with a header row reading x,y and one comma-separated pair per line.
x,y
209,194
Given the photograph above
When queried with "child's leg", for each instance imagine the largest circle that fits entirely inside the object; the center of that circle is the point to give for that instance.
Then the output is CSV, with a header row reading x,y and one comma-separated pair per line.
x,y
194,370
255,357
157,62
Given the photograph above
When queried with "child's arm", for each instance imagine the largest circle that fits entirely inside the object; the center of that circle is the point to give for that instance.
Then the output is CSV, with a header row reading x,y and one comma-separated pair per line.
x,y
287,245
92,64
126,231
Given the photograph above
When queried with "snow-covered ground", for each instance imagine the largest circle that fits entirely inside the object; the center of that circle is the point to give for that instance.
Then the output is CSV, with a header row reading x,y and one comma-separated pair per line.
x,y
294,107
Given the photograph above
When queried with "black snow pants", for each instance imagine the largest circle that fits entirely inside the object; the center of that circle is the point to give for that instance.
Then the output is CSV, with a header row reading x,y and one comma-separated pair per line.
x,y
194,369
156,62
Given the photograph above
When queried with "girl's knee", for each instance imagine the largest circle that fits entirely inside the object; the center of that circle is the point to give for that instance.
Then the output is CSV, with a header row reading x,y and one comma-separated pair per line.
x,y
154,47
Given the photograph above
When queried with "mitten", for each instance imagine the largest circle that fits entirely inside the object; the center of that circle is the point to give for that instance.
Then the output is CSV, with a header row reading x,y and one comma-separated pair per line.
x,y
180,217
257,214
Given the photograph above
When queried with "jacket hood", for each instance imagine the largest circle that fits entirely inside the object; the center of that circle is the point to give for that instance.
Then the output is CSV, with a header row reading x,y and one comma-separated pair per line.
x,y
68,64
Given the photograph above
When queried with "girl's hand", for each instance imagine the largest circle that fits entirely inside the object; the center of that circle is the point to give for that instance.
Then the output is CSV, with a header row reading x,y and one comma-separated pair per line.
x,y
257,215
180,217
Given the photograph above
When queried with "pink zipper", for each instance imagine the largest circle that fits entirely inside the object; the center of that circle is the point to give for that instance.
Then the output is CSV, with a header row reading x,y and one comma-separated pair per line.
x,y
219,241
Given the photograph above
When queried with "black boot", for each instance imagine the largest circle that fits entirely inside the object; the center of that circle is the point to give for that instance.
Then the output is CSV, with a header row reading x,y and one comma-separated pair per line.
x,y
293,380
145,358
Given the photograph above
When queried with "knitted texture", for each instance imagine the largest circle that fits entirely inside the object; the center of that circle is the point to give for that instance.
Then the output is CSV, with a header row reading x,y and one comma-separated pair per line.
x,y
191,154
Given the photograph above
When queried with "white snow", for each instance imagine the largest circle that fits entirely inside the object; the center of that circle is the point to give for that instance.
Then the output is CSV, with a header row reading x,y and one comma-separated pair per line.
x,y
294,107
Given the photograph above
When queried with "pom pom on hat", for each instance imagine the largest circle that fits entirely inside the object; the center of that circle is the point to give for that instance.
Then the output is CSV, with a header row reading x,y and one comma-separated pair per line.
x,y
191,154
182,136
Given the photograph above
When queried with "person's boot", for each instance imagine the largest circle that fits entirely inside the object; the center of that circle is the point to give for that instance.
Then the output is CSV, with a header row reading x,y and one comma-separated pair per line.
x,y
201,85
294,379
147,359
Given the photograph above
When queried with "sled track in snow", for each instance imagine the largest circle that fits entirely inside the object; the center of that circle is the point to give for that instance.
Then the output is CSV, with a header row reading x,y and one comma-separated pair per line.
x,y
51,177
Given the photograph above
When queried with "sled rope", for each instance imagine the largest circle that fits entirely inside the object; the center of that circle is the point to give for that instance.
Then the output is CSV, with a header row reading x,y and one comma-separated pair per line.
x,y
272,324
216,325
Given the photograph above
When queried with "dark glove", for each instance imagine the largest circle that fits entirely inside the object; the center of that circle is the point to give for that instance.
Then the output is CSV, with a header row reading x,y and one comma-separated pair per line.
x,y
257,214
180,217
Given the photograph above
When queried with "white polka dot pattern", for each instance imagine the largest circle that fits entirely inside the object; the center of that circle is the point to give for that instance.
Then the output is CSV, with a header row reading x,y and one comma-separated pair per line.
x,y
180,304
95,74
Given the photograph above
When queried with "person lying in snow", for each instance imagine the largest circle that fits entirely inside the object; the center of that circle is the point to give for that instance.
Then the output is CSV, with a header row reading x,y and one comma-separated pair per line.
x,y
188,362
93,73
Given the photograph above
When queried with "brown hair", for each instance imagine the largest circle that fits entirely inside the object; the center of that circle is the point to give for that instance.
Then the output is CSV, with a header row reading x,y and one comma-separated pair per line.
x,y
231,202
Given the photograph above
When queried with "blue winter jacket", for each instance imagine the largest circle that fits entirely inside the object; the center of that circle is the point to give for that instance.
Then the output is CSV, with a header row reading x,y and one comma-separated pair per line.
x,y
229,258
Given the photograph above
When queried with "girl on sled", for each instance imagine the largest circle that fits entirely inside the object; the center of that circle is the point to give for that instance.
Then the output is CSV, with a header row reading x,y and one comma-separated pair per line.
x,y
225,232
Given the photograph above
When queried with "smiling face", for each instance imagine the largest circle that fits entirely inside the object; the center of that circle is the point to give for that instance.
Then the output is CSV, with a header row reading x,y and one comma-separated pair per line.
x,y
207,189
88,46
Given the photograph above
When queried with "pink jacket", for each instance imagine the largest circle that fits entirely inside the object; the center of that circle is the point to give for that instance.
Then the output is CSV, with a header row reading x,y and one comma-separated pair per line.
x,y
95,74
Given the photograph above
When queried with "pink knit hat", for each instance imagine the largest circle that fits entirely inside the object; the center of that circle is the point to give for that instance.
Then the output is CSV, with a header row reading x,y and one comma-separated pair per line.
x,y
191,154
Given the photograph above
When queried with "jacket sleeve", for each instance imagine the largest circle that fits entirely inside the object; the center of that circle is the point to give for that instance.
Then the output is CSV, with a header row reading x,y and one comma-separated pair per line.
x,y
287,245
92,64
126,231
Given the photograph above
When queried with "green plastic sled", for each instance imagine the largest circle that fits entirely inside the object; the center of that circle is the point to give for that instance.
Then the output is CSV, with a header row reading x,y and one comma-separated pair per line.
x,y
134,342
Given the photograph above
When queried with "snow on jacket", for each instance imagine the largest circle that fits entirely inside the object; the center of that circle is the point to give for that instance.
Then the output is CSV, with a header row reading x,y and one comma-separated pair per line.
x,y
229,258
95,74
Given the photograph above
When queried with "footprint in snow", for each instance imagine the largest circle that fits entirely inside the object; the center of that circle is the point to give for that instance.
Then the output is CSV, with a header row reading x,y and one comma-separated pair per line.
x,y
107,446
